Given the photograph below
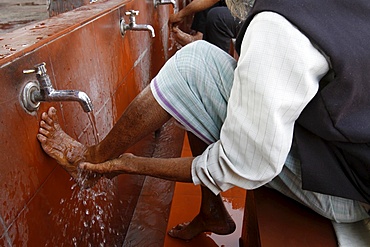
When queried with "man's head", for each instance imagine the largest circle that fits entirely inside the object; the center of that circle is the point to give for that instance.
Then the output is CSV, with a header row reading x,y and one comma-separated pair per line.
x,y
239,8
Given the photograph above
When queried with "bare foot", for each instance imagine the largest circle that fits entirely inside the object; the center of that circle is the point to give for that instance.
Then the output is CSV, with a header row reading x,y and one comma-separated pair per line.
x,y
189,230
63,148
184,38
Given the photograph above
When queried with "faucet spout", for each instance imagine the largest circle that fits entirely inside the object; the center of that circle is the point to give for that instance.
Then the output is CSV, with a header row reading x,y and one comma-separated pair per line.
x,y
42,90
64,95
143,27
133,26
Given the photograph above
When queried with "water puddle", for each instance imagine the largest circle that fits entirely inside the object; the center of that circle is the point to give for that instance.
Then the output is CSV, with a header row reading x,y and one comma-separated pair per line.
x,y
236,210
8,47
40,26
12,24
28,4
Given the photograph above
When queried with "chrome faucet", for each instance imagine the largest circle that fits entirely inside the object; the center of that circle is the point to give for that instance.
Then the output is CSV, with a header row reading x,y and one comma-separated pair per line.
x,y
132,24
162,2
42,90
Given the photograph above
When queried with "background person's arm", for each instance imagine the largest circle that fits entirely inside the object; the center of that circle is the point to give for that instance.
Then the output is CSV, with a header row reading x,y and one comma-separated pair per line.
x,y
190,9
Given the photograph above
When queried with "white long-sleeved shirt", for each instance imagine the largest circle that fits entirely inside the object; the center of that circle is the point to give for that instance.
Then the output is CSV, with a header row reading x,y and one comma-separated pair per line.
x,y
278,73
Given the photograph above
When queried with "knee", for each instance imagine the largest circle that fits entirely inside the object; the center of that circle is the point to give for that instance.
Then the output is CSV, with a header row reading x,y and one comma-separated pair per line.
x,y
216,18
191,56
196,48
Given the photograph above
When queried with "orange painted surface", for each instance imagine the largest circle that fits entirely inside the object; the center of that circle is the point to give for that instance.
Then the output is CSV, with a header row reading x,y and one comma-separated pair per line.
x,y
185,206
83,50
282,222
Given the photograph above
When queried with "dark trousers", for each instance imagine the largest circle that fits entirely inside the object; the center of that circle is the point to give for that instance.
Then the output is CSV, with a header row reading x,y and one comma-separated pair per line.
x,y
221,27
217,25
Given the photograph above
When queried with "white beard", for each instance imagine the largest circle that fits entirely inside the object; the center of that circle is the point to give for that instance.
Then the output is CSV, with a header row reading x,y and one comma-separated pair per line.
x,y
239,8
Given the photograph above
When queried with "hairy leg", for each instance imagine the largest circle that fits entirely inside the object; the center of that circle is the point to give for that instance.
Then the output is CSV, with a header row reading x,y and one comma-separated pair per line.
x,y
143,116
213,216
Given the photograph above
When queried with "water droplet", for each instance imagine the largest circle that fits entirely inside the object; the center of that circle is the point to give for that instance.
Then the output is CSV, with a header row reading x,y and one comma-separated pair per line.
x,y
141,228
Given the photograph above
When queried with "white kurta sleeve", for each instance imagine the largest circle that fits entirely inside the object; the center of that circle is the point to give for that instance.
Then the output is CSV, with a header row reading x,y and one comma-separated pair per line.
x,y
278,73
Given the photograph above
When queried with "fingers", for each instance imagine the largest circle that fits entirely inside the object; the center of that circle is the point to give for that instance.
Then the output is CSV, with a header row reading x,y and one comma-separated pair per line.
x,y
97,168
175,29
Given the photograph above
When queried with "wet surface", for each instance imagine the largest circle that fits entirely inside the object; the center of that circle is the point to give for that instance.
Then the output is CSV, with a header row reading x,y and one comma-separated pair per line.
x,y
18,13
27,27
83,50
185,206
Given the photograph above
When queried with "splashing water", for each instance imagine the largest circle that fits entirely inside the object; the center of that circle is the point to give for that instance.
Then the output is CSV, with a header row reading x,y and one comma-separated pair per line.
x,y
90,217
86,217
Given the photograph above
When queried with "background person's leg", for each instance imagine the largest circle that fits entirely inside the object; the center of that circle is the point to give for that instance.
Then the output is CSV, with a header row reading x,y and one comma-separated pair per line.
x,y
221,27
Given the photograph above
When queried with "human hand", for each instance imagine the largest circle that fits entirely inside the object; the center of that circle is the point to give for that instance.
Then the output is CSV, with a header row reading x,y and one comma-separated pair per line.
x,y
108,169
175,19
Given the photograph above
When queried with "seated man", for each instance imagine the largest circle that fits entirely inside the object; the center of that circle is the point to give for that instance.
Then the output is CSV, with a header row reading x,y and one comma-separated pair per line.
x,y
292,113
212,22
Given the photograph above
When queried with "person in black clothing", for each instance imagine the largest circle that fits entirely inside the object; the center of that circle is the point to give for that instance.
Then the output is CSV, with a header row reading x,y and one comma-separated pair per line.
x,y
212,22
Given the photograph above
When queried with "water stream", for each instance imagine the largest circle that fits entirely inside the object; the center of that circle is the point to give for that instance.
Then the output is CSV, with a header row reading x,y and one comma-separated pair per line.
x,y
90,217
93,126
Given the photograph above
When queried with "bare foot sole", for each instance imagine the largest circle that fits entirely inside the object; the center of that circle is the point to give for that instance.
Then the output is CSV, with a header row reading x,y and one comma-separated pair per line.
x,y
189,230
63,148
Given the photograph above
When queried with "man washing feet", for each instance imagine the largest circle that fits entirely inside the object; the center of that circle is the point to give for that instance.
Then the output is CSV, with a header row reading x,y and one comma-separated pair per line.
x,y
255,122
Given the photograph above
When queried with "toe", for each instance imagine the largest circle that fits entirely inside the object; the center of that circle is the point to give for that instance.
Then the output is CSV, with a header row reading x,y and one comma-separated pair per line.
x,y
44,132
46,118
53,114
179,226
45,125
41,138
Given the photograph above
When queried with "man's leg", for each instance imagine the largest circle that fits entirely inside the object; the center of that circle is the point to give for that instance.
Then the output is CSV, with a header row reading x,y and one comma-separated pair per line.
x,y
193,86
143,116
337,209
213,216
354,231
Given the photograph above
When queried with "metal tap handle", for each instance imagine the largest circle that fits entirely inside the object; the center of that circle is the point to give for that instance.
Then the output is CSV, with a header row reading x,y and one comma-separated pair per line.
x,y
39,69
132,12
